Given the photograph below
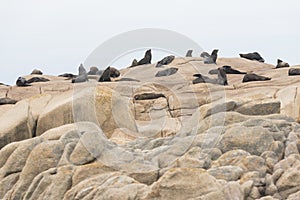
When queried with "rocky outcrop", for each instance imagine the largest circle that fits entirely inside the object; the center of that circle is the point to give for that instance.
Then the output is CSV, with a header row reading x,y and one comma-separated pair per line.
x,y
156,138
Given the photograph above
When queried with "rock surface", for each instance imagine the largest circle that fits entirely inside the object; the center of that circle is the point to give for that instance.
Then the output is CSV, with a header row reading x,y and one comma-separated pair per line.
x,y
96,141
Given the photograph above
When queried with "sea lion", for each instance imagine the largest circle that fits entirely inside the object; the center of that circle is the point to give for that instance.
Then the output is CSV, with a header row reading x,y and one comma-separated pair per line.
x,y
165,61
189,53
4,101
252,56
81,70
281,64
294,71
204,55
128,79
114,73
148,96
222,78
147,58
22,82
82,75
105,77
36,72
134,63
93,71
228,70
166,72
254,77
68,75
212,58
203,79
37,79
79,79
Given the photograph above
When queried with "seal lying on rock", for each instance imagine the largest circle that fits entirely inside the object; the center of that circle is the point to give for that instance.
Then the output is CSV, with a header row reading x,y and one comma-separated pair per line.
x,y
294,71
281,64
165,61
148,96
93,71
212,58
36,72
147,58
252,56
166,72
221,80
22,82
203,79
37,79
68,75
4,101
82,75
189,53
228,70
128,79
255,77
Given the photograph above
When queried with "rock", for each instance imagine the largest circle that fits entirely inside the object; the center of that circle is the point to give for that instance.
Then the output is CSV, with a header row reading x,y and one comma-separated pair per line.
x,y
85,105
237,137
259,108
294,196
194,158
289,182
189,183
43,157
51,184
16,127
228,173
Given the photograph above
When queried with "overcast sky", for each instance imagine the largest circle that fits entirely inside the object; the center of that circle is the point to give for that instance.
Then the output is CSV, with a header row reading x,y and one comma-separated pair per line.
x,y
56,36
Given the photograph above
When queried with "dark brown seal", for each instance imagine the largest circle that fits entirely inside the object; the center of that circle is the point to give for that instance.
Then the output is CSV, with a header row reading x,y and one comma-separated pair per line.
x,y
148,96
255,77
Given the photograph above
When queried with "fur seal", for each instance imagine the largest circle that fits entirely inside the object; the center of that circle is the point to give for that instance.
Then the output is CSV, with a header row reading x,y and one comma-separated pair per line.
x,y
81,70
36,72
228,70
114,73
22,82
128,79
82,75
255,77
204,55
294,71
189,53
165,61
212,58
166,72
203,79
134,63
222,78
105,77
68,75
148,96
147,58
281,64
4,101
93,71
37,79
252,56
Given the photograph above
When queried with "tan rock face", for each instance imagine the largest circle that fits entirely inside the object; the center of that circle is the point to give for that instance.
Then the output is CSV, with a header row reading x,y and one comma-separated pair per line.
x,y
97,141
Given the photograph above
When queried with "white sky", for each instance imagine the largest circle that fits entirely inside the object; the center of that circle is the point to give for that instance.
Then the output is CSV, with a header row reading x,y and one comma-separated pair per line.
x,y
56,36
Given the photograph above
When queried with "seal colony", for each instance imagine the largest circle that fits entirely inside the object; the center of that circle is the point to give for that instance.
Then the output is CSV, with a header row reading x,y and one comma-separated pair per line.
x,y
111,73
